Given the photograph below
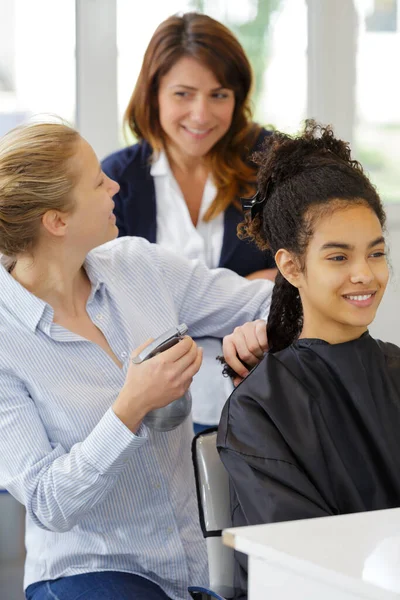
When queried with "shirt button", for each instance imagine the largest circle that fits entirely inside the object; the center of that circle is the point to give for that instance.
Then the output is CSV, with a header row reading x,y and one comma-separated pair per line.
x,y
157,485
99,317
169,530
124,354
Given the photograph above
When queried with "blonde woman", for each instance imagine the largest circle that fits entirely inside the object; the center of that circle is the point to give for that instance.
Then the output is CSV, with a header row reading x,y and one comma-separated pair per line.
x,y
111,510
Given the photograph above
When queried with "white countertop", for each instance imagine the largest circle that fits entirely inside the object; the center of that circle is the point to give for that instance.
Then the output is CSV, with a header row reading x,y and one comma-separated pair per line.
x,y
349,550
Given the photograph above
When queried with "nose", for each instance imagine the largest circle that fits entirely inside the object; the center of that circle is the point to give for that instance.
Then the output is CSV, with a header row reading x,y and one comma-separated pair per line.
x,y
200,109
114,186
362,273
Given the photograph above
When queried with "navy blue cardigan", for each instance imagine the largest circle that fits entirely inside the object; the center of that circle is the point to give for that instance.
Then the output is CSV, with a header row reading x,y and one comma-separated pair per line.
x,y
135,209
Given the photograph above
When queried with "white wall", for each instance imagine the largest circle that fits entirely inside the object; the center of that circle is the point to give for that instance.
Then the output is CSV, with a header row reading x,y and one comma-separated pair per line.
x,y
387,323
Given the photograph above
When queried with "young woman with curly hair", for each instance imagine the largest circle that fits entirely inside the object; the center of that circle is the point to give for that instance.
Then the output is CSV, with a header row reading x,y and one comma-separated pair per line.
x,y
313,430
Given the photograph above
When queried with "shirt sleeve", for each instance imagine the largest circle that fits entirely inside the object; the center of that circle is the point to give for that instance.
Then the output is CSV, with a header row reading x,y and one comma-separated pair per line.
x,y
58,487
212,301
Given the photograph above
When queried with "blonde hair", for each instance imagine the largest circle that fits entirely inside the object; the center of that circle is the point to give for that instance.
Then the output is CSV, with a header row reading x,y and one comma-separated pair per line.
x,y
35,176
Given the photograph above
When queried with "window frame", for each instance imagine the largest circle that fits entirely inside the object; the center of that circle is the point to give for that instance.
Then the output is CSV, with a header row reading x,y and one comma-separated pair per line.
x,y
331,71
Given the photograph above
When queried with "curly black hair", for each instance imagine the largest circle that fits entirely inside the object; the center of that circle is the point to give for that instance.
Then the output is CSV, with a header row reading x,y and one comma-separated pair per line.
x,y
300,179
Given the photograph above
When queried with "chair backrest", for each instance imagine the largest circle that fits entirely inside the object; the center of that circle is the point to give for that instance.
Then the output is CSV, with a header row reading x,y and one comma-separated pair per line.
x,y
212,485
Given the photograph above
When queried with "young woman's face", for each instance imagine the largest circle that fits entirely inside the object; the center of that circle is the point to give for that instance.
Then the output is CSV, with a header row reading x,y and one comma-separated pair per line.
x,y
345,276
194,110
92,222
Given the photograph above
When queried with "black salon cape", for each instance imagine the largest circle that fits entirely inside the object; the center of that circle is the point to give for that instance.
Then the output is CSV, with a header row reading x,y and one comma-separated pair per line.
x,y
314,430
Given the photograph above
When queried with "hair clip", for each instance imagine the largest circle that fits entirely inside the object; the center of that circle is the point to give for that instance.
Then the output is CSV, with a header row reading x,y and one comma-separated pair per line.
x,y
254,204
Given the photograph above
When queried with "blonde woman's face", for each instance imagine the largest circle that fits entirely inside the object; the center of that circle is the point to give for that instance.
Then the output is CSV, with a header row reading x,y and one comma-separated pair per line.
x,y
195,111
92,221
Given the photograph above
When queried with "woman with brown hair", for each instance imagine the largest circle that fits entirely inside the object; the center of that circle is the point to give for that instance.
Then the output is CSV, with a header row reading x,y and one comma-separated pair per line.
x,y
181,183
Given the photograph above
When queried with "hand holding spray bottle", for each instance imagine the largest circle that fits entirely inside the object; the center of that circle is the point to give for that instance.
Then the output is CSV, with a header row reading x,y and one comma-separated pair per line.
x,y
170,416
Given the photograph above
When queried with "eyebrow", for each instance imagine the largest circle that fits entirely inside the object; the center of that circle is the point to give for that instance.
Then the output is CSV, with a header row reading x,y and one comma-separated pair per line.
x,y
189,87
343,246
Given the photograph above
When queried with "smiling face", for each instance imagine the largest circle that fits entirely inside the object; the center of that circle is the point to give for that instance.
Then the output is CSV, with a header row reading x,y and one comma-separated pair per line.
x,y
345,274
195,112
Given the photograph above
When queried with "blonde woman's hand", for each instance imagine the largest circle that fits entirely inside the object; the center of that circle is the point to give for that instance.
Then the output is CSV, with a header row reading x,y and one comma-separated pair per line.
x,y
157,381
247,344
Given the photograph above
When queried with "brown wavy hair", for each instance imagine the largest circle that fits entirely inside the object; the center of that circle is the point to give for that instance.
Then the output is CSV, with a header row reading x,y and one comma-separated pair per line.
x,y
200,37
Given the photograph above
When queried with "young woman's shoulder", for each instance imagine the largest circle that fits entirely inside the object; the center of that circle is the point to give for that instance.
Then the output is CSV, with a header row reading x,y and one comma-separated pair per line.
x,y
389,350
135,260
124,255
391,353
264,398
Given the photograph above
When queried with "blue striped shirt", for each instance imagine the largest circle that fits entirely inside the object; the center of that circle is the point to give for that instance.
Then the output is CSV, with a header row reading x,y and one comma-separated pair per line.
x,y
97,496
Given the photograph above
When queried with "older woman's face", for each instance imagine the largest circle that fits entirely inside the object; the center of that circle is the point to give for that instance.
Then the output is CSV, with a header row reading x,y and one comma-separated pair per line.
x,y
195,111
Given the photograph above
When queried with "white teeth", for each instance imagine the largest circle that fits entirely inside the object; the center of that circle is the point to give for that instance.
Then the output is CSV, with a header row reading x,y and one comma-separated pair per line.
x,y
197,131
359,298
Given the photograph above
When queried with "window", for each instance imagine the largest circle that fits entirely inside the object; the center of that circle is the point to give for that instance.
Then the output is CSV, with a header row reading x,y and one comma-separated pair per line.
x,y
134,30
377,127
37,60
263,28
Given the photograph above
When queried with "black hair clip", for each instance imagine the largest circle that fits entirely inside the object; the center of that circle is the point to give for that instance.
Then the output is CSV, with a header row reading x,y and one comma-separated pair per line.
x,y
254,204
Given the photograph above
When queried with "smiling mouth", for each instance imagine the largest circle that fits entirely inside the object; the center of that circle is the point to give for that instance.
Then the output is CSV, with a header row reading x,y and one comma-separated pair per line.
x,y
199,132
360,300
359,297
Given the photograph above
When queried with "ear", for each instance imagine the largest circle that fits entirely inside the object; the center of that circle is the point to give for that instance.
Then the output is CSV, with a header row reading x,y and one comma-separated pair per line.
x,y
288,266
55,222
